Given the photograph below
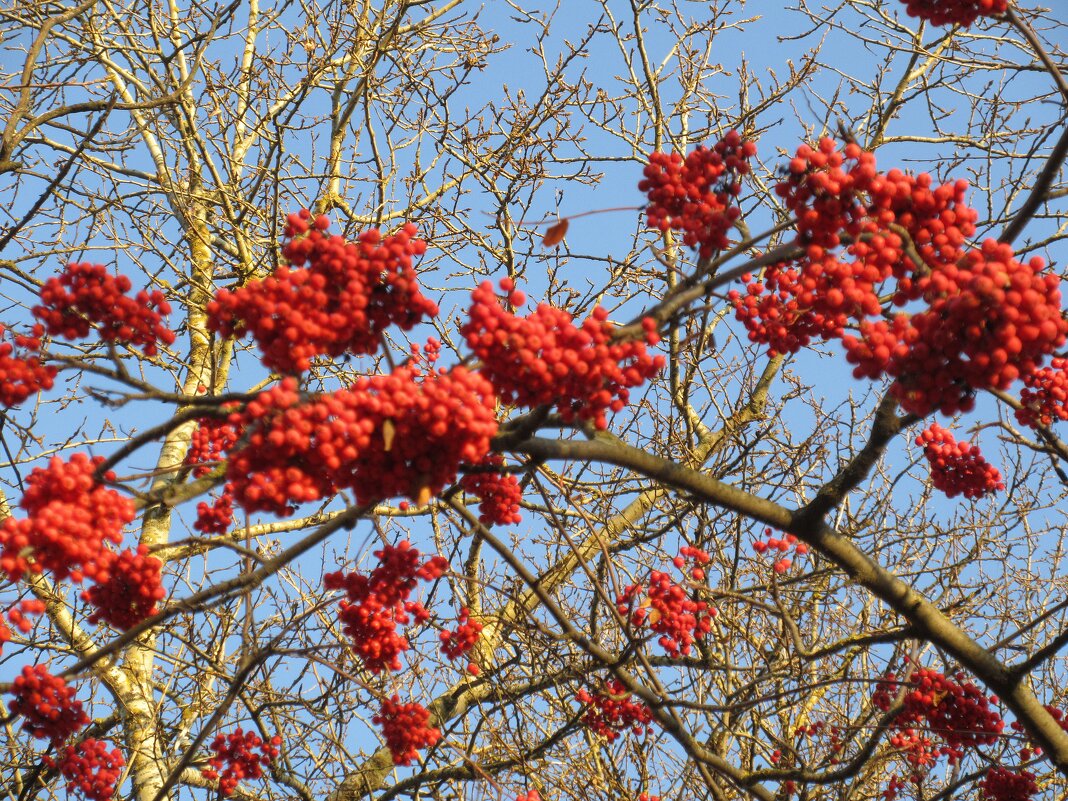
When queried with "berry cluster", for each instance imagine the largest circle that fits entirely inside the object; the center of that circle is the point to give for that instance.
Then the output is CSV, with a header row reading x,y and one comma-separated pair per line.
x,y
775,545
458,643
499,494
70,517
17,614
404,433
700,558
919,751
378,603
957,468
211,440
426,355
87,294
611,711
90,768
954,12
237,758
894,786
694,195
405,729
128,588
23,376
543,359
826,190
987,318
341,302
1045,396
47,704
216,517
899,227
990,320
1002,784
375,606
668,610
953,709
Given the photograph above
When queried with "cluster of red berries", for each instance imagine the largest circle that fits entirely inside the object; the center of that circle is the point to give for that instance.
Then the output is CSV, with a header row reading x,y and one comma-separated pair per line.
x,y
18,616
780,546
70,517
377,603
691,553
954,709
216,517
1045,395
459,642
695,195
403,433
86,294
957,468
212,439
530,795
499,494
50,711
826,189
405,729
894,786
23,376
544,359
668,610
954,12
127,589
836,193
919,750
990,320
47,705
611,711
796,303
90,768
936,219
426,355
1003,784
236,758
340,303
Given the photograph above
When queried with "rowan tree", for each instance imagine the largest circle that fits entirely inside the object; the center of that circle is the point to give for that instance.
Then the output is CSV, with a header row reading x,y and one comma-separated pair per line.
x,y
617,400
